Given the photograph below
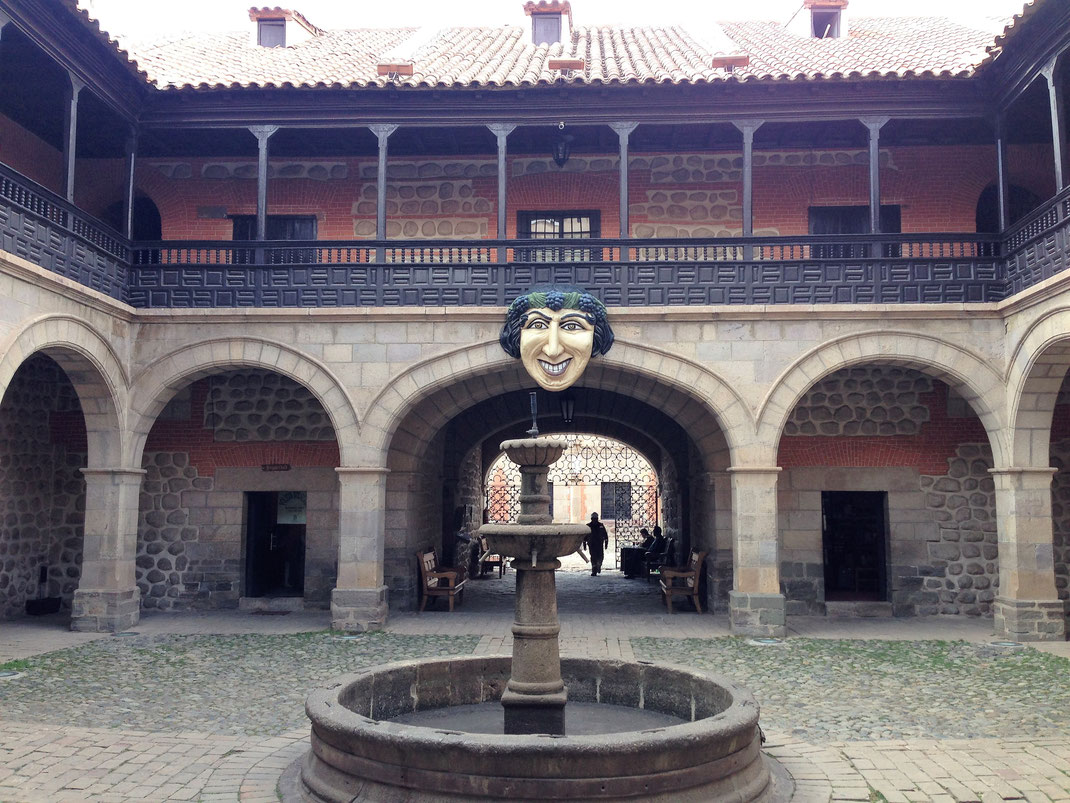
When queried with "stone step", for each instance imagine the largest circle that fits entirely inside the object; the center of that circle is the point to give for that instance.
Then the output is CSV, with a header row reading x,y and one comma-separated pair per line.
x,y
859,609
271,604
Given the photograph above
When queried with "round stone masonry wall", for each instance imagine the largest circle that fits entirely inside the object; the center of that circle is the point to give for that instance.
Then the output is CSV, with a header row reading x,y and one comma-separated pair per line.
x,y
864,401
1060,515
264,406
965,561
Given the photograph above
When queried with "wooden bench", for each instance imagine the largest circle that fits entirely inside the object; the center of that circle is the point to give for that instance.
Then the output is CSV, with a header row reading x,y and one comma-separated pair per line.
x,y
683,581
489,560
436,581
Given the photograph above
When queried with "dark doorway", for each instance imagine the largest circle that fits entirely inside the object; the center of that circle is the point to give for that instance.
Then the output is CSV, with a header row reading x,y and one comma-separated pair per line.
x,y
854,529
275,543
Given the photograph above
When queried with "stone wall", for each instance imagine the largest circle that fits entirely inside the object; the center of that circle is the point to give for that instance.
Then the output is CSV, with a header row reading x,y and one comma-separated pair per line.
x,y
1060,514
869,400
257,405
962,576
42,491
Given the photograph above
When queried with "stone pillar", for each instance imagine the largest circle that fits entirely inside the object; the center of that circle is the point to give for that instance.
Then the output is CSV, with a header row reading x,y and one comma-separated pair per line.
x,y
107,599
714,488
1028,607
358,602
756,606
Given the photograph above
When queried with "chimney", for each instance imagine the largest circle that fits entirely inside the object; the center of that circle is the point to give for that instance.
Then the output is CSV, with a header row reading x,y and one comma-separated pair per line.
x,y
820,19
551,21
280,27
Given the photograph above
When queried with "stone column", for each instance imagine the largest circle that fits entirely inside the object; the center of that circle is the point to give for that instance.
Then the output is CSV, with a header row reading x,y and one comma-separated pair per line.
x,y
1028,607
358,602
715,522
756,606
107,599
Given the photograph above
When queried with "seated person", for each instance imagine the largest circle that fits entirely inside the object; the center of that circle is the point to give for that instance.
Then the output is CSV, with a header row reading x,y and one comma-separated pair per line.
x,y
632,557
658,544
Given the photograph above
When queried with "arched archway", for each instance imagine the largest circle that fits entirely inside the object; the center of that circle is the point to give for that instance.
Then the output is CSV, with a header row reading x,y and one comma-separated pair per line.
x,y
62,390
456,414
154,387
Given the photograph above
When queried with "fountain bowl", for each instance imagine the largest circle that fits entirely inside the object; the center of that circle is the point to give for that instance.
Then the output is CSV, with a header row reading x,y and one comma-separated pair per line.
x,y
358,753
540,451
550,541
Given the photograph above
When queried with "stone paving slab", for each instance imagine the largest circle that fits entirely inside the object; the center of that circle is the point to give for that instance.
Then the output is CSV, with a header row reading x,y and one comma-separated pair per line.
x,y
208,707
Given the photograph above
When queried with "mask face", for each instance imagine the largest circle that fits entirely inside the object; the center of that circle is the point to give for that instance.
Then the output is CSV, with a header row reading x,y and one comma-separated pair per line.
x,y
555,347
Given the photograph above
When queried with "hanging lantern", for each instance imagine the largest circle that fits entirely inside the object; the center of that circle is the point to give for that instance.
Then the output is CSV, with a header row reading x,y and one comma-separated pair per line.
x,y
562,149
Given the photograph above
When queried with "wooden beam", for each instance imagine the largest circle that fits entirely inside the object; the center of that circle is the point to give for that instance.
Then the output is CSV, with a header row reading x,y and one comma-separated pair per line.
x,y
1002,179
748,129
128,201
1058,121
382,134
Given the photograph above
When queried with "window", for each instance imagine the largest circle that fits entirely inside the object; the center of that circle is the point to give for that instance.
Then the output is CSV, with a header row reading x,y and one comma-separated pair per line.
x,y
825,24
279,227
545,29
572,225
271,33
616,500
851,220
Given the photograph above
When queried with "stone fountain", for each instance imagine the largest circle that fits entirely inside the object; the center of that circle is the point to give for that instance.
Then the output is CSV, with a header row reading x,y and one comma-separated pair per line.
x,y
534,698
434,730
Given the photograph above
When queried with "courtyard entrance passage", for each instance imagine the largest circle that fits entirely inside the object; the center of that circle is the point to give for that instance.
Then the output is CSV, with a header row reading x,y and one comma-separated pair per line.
x,y
275,544
854,534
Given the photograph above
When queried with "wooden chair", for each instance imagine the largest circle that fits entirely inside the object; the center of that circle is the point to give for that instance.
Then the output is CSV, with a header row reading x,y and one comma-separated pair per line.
x,y
438,582
488,560
652,565
683,581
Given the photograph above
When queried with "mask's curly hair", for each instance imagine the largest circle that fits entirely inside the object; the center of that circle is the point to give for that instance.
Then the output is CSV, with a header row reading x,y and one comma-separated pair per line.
x,y
556,298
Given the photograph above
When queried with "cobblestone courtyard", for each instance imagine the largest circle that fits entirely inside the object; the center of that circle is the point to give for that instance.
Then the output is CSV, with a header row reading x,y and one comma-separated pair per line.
x,y
211,707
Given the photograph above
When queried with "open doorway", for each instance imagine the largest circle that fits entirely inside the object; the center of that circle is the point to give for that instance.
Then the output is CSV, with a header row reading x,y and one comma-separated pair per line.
x,y
854,533
275,543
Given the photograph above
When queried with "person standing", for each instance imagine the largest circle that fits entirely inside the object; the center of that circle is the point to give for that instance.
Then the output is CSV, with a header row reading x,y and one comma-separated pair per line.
x,y
596,542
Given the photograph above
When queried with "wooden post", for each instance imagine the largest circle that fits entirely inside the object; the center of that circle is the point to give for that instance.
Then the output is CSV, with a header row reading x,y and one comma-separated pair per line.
x,y
874,124
1058,122
262,133
1002,178
382,133
624,131
501,133
131,163
70,143
747,128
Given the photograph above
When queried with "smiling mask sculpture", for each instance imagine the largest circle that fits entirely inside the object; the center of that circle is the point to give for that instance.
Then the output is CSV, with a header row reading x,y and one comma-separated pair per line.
x,y
555,331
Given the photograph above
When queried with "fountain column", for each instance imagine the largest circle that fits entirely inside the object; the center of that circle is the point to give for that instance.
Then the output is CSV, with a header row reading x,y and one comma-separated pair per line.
x,y
534,698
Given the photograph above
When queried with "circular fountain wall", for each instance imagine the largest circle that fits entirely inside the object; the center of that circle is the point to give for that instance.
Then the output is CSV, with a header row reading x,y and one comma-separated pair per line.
x,y
358,753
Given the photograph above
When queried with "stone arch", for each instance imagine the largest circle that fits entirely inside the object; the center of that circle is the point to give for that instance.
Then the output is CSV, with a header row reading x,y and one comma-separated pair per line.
x,y
971,376
1038,366
93,368
158,382
647,373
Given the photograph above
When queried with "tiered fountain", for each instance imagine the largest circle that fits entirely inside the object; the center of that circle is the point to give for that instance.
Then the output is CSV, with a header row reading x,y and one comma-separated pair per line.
x,y
434,730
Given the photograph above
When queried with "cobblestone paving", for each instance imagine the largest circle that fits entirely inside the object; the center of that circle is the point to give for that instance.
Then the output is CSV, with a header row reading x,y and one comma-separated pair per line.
x,y
241,684
823,691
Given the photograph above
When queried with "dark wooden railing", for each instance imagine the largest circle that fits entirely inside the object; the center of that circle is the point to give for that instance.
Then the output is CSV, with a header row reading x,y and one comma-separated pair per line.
x,y
39,226
853,269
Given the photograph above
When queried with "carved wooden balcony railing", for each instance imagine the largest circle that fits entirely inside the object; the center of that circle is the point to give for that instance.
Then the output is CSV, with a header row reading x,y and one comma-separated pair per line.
x,y
849,269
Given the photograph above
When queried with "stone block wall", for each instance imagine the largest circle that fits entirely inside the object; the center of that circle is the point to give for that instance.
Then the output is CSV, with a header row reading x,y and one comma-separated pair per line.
x,y
1060,510
42,491
207,448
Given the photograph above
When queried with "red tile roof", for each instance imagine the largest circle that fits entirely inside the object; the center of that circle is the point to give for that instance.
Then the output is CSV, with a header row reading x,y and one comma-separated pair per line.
x,y
504,56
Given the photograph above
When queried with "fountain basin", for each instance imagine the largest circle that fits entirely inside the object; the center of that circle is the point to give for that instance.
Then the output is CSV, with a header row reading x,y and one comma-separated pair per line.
x,y
550,540
358,753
